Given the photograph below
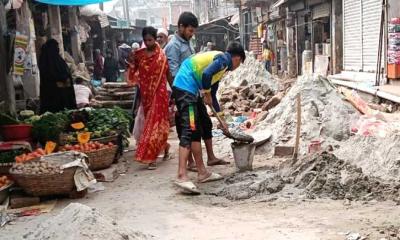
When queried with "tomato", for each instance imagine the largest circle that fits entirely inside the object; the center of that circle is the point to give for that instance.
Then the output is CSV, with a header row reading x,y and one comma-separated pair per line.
x,y
40,151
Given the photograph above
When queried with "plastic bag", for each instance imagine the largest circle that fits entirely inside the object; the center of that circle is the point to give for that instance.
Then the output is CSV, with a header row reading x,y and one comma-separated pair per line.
x,y
370,126
139,124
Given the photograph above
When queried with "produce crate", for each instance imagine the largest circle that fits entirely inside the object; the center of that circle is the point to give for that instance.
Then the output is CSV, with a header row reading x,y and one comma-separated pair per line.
x,y
47,184
4,192
102,158
5,168
104,140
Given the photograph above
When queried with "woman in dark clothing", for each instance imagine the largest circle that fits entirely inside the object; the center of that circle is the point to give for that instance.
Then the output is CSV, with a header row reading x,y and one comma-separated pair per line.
x,y
56,87
111,69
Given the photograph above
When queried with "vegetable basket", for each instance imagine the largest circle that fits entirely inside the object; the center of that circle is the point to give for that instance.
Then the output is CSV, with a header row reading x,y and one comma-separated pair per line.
x,y
102,158
63,139
4,192
5,168
47,184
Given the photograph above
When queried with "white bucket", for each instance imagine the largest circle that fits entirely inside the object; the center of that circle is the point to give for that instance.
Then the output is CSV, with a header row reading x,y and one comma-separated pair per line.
x,y
243,154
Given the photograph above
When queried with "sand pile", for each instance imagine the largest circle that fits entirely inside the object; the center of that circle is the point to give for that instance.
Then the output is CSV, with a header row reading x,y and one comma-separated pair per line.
x,y
317,176
325,116
326,176
378,157
81,222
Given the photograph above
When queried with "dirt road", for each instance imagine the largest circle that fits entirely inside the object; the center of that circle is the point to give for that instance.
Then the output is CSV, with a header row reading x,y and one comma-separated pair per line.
x,y
147,202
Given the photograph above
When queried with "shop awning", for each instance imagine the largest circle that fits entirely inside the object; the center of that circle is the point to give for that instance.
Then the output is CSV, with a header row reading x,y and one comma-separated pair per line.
x,y
71,2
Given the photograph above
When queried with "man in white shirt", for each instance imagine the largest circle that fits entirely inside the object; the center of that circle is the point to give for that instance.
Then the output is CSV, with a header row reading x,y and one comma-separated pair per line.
x,y
83,94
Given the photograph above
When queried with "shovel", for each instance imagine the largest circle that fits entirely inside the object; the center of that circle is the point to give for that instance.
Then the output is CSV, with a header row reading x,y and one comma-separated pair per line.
x,y
236,136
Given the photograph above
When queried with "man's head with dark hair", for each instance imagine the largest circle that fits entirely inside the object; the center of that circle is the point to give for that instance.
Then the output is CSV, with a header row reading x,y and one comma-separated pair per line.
x,y
237,53
79,80
149,35
187,24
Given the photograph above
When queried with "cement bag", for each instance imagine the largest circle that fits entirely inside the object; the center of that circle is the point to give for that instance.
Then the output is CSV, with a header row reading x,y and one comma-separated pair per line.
x,y
139,124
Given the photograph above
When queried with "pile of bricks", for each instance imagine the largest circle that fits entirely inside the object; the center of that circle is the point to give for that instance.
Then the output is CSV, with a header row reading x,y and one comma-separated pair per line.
x,y
245,98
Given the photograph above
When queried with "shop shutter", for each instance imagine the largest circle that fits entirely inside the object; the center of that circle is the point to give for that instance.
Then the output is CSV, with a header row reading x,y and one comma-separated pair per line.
x,y
321,10
371,21
352,35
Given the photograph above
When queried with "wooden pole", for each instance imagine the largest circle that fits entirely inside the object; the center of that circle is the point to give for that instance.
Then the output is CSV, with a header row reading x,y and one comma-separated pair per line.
x,y
7,90
55,26
75,41
298,128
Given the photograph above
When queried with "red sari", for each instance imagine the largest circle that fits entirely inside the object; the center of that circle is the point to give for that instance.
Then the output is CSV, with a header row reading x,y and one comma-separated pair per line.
x,y
150,72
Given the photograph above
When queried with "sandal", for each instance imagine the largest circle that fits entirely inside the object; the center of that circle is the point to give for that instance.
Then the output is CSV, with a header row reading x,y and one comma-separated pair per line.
x,y
213,177
187,186
152,166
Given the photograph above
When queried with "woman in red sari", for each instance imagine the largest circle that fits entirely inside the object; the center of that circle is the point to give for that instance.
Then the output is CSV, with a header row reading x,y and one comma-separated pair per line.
x,y
149,69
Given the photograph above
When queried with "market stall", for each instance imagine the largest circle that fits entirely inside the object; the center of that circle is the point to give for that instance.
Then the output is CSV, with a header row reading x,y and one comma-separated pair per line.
x,y
55,153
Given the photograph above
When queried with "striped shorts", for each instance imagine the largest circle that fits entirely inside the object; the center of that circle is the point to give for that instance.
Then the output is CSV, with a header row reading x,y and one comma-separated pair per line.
x,y
188,117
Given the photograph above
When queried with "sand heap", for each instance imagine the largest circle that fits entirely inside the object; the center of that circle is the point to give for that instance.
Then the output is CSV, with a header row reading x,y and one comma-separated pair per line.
x,y
378,157
324,175
81,222
325,116
316,176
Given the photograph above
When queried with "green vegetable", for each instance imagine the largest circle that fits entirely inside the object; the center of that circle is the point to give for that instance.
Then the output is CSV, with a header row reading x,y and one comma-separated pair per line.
x,y
26,113
6,119
9,156
32,119
49,127
106,122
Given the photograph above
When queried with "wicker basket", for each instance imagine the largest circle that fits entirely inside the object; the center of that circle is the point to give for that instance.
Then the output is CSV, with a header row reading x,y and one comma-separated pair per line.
x,y
47,184
5,168
104,140
102,158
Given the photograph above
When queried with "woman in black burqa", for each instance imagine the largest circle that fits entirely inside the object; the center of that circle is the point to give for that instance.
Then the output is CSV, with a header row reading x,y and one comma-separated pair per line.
x,y
56,86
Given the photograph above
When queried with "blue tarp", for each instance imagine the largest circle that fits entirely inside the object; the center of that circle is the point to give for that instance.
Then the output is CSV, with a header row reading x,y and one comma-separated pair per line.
x,y
71,2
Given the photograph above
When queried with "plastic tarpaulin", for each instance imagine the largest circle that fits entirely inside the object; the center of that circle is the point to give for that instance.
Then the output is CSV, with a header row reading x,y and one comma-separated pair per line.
x,y
71,2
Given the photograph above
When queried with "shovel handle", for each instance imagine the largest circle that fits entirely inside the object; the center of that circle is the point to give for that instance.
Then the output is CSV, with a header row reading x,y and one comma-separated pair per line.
x,y
222,122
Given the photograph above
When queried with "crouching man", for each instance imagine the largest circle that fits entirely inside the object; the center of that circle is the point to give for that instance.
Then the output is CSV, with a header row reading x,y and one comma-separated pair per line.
x,y
196,84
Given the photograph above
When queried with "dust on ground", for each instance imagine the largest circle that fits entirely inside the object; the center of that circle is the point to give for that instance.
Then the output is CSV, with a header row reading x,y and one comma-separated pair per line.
x,y
147,202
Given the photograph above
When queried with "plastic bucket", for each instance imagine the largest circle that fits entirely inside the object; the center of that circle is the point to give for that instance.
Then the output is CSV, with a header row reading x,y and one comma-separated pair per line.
x,y
243,154
16,132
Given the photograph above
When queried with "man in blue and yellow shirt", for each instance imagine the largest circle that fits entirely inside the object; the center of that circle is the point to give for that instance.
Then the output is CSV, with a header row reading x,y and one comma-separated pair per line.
x,y
196,84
